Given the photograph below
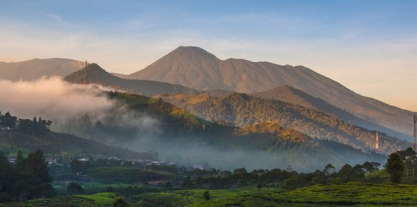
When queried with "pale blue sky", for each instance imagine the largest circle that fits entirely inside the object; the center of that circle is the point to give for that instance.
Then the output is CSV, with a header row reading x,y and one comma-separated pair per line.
x,y
369,46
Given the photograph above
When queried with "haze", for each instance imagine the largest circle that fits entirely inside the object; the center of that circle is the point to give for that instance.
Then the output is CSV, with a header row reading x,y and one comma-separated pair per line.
x,y
370,47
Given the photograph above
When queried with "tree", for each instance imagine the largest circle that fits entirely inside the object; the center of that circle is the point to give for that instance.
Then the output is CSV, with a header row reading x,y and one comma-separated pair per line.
x,y
206,195
329,169
6,181
110,189
40,180
395,167
259,186
20,165
187,183
120,202
168,185
74,188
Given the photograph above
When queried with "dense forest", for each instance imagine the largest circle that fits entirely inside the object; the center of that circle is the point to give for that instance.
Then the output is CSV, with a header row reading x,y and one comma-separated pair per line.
x,y
29,135
242,110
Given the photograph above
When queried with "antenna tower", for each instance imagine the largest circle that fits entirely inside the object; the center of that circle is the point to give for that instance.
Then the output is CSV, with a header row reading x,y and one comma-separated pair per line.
x,y
85,72
376,141
415,131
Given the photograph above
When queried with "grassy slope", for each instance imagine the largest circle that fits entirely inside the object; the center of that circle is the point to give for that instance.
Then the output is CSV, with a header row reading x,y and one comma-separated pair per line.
x,y
330,195
350,194
95,200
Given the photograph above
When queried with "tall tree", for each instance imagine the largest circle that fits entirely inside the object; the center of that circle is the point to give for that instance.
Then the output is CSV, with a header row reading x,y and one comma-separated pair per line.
x,y
6,180
395,167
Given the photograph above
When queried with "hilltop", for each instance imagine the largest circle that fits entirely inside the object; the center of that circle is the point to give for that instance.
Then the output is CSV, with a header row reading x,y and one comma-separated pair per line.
x,y
97,75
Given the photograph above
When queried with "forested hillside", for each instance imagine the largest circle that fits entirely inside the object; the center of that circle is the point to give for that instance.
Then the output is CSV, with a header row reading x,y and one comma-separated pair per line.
x,y
177,134
242,109
298,97
30,135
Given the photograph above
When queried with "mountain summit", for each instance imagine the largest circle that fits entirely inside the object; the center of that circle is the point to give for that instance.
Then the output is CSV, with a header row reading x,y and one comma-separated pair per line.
x,y
188,66
196,68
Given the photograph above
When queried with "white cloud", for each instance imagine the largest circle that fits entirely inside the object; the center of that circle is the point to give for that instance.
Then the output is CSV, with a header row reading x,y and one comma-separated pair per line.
x,y
56,18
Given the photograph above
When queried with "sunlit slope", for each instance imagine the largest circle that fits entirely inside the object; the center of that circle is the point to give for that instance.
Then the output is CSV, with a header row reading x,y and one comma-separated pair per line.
x,y
242,109
298,97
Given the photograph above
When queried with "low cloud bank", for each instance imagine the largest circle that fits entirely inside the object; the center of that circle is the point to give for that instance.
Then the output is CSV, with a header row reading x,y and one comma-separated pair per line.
x,y
51,98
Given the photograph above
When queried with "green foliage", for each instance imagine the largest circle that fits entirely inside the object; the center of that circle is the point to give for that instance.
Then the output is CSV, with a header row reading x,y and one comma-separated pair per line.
x,y
330,195
206,195
74,188
244,110
395,167
28,179
120,202
125,175
102,199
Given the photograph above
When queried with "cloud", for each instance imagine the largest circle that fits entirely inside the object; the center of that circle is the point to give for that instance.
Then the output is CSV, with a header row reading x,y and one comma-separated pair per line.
x,y
51,98
56,18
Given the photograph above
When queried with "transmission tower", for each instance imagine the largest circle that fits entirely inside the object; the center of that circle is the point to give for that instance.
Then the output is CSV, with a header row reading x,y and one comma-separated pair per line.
x,y
415,131
85,72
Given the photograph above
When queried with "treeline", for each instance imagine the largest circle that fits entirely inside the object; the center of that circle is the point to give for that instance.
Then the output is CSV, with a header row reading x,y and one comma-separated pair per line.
x,y
36,126
28,178
279,178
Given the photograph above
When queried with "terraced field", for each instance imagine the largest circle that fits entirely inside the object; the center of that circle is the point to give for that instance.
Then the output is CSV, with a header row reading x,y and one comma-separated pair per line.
x,y
330,195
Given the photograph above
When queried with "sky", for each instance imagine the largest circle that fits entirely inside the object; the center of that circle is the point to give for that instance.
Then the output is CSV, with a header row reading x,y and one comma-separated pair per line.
x,y
368,46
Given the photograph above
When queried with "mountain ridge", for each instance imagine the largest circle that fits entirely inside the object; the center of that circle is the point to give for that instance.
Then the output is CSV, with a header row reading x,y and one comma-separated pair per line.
x,y
239,75
33,69
291,95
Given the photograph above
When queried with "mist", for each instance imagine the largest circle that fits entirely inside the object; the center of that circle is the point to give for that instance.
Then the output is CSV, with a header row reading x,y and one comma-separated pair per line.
x,y
65,104
51,98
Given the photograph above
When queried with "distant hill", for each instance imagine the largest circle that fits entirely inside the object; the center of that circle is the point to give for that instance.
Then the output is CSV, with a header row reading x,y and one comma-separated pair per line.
x,y
187,139
196,68
97,75
242,110
36,68
59,143
298,97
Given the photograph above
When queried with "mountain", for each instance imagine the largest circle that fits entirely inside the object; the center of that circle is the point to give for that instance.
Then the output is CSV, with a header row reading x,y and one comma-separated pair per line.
x,y
121,75
298,97
182,137
243,109
36,68
97,75
196,68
